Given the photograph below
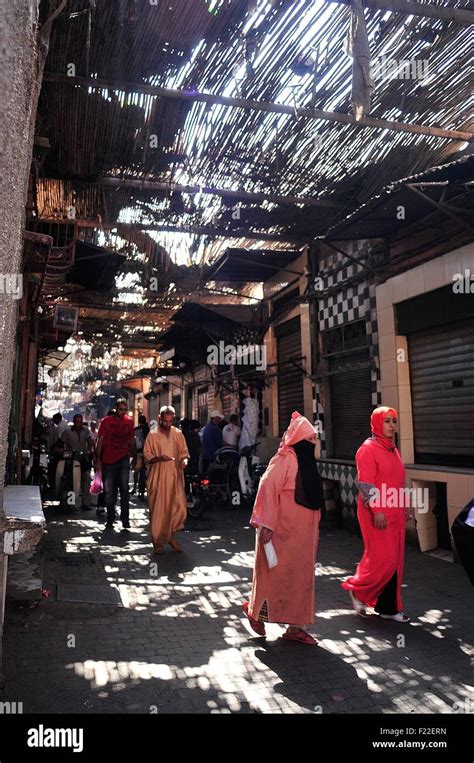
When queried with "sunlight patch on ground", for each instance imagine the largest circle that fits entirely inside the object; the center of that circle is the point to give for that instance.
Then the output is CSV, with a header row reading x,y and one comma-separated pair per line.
x,y
100,673
242,559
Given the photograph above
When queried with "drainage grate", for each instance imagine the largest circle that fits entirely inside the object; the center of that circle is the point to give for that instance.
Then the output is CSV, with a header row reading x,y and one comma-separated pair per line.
x,y
88,594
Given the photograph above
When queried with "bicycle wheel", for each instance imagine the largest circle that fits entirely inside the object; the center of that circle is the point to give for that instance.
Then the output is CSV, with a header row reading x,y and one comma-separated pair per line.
x,y
195,507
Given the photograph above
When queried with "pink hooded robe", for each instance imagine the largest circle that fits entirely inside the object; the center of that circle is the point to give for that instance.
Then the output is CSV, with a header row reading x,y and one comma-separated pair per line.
x,y
379,463
286,592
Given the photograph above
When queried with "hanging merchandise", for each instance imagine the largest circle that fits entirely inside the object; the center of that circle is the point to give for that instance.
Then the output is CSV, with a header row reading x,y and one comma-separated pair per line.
x,y
357,46
218,398
249,421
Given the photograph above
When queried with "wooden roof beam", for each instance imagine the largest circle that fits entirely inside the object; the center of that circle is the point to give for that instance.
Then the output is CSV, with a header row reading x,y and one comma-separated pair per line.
x,y
459,15
154,185
199,230
240,103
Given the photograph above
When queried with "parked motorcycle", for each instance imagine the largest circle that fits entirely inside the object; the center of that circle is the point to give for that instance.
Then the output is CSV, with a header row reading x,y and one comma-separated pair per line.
x,y
36,471
197,494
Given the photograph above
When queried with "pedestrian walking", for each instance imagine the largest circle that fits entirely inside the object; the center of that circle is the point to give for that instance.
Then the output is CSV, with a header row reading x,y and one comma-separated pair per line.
x,y
56,428
211,439
94,434
377,582
286,513
77,439
139,475
166,455
115,446
101,497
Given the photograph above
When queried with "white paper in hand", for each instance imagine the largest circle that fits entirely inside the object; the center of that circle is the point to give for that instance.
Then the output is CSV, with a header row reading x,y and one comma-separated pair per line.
x,y
270,553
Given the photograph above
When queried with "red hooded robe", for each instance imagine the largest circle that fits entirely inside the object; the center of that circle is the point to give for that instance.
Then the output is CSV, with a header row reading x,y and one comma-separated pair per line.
x,y
379,464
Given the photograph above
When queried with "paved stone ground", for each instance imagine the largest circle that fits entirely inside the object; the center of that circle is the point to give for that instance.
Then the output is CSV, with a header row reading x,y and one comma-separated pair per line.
x,y
181,644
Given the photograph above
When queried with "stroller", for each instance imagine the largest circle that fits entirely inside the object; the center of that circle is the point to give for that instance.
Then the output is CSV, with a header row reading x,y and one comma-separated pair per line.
x,y
223,476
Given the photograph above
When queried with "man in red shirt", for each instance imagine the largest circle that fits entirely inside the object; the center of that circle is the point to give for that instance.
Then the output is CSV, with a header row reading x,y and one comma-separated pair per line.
x,y
115,444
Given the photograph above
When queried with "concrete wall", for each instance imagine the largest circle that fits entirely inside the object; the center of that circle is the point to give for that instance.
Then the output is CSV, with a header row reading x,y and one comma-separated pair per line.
x,y
395,381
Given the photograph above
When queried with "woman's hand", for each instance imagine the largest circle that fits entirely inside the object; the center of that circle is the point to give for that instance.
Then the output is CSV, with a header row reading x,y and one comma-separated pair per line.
x,y
380,521
266,535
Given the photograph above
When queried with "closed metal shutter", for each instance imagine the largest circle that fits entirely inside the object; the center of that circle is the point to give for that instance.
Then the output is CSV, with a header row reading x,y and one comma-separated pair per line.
x,y
351,405
442,390
290,378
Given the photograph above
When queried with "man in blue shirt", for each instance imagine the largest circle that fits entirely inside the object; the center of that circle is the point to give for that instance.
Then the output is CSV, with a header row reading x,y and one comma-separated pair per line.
x,y
212,439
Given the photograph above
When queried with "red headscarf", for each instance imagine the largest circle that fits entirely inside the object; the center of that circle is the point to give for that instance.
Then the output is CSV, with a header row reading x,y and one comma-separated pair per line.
x,y
376,424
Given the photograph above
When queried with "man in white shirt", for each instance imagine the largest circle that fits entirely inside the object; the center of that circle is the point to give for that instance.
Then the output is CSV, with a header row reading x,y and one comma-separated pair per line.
x,y
231,432
56,429
77,439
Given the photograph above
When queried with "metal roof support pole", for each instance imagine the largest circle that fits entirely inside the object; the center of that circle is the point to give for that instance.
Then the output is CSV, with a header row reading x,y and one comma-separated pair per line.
x,y
413,187
198,230
153,185
461,16
349,257
240,103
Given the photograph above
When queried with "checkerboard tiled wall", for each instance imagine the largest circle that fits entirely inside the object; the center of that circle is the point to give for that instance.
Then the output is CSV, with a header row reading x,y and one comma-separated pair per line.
x,y
345,475
355,300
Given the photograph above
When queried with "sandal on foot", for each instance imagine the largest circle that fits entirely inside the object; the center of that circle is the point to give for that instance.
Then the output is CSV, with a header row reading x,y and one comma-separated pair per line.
x,y
358,606
159,549
175,545
301,636
256,625
400,617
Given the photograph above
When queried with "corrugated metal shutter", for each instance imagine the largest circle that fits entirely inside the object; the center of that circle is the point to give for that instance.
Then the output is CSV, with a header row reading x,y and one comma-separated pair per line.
x,y
442,389
290,378
351,406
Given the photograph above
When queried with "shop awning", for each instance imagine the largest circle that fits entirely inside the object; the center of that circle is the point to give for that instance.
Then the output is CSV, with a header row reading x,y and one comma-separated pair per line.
x,y
55,358
447,188
94,267
251,266
225,316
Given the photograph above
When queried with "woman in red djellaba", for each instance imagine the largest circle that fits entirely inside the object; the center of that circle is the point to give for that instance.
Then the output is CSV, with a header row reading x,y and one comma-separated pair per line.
x,y
381,505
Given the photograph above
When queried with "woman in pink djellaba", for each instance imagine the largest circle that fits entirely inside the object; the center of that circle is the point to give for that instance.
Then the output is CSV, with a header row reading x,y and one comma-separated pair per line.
x,y
287,512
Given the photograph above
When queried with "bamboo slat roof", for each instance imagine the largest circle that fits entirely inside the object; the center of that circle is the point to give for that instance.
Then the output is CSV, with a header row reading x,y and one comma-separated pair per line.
x,y
263,51
284,52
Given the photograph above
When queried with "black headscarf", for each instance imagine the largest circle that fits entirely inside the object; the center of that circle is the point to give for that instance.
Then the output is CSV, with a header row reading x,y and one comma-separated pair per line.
x,y
309,485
